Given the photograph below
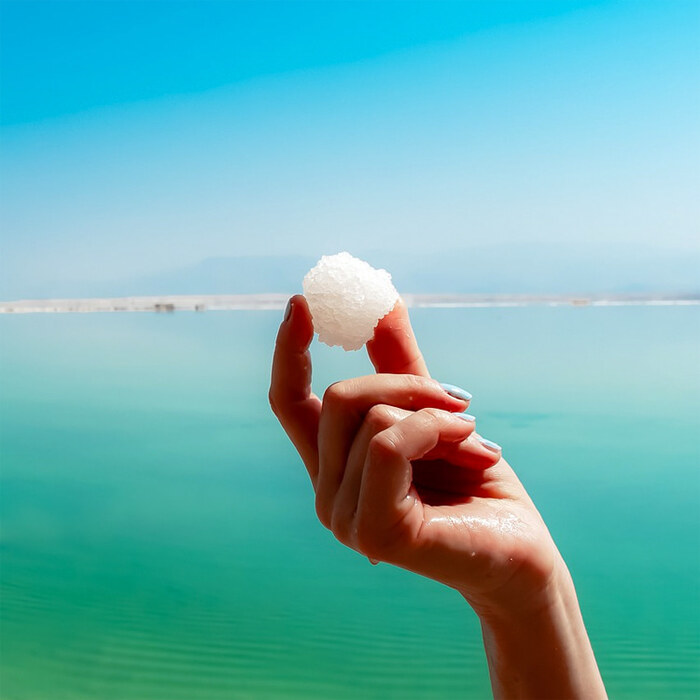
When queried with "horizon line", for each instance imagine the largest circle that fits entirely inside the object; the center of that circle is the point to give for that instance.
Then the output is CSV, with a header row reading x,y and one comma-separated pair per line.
x,y
277,301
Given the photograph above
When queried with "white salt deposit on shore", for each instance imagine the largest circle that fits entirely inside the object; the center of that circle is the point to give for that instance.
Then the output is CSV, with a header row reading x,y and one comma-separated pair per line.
x,y
277,302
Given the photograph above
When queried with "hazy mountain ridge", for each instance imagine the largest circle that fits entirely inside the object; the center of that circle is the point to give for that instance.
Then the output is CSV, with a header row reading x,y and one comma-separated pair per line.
x,y
514,269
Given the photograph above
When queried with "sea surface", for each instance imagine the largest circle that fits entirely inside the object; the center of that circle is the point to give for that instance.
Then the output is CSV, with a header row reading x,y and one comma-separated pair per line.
x,y
158,531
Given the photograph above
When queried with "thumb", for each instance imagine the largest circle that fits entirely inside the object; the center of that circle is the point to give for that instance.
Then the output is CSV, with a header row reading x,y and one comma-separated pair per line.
x,y
394,349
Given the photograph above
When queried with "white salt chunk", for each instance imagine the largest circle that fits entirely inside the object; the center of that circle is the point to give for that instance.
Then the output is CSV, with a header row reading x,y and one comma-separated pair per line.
x,y
347,297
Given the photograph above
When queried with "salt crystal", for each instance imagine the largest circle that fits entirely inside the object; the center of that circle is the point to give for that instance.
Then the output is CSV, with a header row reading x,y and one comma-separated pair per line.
x,y
347,297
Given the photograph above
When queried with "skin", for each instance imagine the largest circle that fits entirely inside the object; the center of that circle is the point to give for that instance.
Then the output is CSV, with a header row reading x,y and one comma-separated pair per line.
x,y
400,478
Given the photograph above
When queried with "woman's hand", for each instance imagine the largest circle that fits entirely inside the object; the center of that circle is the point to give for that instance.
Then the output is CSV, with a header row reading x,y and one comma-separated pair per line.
x,y
400,478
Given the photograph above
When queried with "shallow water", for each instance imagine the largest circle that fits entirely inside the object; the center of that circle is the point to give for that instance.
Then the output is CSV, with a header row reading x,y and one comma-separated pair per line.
x,y
158,532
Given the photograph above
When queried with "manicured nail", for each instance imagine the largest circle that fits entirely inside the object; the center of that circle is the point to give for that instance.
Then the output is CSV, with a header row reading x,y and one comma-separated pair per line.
x,y
287,311
456,391
465,416
490,445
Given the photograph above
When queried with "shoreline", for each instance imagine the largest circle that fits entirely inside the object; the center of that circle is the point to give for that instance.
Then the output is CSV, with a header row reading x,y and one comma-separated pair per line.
x,y
277,302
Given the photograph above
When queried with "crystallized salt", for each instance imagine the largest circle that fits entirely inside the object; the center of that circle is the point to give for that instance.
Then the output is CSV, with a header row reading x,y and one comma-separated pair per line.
x,y
347,297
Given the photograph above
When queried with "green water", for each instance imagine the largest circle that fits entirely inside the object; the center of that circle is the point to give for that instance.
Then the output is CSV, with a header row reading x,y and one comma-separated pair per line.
x,y
159,538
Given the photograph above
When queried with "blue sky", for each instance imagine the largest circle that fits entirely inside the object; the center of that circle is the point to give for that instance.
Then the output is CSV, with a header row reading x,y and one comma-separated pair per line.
x,y
138,137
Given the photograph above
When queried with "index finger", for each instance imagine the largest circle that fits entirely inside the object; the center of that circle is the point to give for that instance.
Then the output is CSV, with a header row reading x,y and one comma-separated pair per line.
x,y
394,348
297,408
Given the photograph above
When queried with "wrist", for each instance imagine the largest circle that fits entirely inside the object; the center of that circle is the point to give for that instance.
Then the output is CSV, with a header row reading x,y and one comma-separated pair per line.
x,y
530,592
540,647
521,587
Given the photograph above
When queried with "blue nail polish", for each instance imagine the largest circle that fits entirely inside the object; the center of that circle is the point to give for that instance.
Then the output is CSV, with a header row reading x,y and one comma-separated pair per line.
x,y
491,445
287,311
456,391
465,416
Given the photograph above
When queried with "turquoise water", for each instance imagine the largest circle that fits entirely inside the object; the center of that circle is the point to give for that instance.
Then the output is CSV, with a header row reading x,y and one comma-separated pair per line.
x,y
159,538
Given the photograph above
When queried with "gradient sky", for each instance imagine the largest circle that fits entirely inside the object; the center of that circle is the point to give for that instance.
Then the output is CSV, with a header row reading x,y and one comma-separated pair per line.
x,y
137,137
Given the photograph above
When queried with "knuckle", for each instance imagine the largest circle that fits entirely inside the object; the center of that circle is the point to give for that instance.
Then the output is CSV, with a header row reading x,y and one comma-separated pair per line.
x,y
324,513
340,527
414,383
379,417
381,447
383,543
337,393
374,544
431,417
366,541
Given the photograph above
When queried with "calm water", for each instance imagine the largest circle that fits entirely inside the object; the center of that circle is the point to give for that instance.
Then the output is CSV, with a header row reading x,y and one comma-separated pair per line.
x,y
159,538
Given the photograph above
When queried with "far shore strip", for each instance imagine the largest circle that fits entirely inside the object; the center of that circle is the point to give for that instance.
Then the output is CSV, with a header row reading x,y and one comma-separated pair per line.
x,y
276,302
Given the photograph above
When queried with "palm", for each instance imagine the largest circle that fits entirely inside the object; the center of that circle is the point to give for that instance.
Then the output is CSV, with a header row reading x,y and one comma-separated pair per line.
x,y
485,521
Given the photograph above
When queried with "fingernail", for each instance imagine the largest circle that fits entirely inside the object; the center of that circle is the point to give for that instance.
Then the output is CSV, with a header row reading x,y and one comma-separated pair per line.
x,y
456,391
287,311
465,416
490,445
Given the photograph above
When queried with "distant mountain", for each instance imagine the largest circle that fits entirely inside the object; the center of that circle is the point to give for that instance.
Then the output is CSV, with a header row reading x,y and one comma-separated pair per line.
x,y
242,275
513,269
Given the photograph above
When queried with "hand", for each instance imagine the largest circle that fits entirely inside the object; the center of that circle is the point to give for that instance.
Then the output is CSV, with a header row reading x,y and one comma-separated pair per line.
x,y
400,479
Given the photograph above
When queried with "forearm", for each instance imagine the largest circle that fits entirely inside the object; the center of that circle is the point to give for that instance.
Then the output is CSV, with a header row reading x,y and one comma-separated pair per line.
x,y
543,653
